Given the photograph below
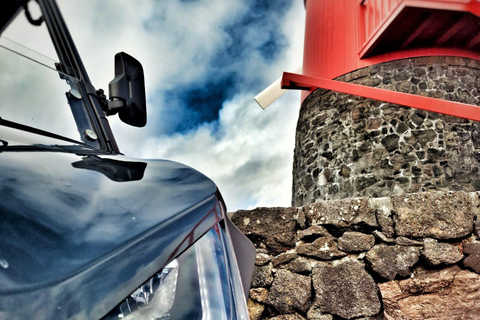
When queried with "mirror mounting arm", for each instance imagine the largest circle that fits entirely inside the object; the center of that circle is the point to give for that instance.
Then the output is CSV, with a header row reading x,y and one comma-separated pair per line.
x,y
110,107
113,106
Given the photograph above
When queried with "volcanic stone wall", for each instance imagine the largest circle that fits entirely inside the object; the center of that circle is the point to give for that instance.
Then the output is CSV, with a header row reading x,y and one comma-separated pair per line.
x,y
384,219
414,256
348,146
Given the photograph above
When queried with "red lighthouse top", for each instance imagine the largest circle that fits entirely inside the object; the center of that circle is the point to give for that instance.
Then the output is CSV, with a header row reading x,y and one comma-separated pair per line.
x,y
345,35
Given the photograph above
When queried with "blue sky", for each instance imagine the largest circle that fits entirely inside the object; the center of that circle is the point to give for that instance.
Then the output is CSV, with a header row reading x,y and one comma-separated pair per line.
x,y
204,62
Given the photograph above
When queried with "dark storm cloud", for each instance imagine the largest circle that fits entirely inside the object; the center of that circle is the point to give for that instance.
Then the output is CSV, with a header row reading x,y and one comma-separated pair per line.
x,y
201,103
264,20
202,100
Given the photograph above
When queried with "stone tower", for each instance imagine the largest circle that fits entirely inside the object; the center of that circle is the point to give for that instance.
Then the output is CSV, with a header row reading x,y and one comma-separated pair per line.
x,y
417,130
349,146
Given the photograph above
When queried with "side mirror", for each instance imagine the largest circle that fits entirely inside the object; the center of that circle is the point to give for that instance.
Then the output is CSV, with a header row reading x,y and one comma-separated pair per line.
x,y
127,91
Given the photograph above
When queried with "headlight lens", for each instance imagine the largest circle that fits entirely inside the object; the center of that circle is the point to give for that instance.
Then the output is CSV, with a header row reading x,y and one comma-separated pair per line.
x,y
199,284
154,299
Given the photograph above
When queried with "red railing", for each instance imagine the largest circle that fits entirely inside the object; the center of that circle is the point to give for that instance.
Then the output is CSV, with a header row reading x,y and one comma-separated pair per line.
x,y
345,35
375,15
372,14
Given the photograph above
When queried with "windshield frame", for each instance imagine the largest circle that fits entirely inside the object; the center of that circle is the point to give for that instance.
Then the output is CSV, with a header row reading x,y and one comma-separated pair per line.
x,y
84,102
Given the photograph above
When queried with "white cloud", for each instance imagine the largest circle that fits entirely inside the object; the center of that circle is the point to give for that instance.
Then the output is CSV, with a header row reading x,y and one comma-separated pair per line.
x,y
248,153
174,40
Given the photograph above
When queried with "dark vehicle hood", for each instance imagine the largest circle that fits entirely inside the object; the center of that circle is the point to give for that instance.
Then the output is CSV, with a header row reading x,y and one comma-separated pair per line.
x,y
79,233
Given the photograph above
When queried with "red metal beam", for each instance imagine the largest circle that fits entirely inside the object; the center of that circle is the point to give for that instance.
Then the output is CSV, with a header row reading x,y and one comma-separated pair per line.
x,y
379,31
474,41
460,24
425,25
457,109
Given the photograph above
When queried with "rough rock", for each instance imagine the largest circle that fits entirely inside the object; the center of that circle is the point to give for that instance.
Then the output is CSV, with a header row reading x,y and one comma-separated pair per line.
x,y
299,265
390,142
275,227
290,292
262,259
477,228
404,241
342,213
262,276
355,241
259,294
312,233
378,316
294,316
388,261
255,309
345,289
436,253
315,314
435,215
383,237
450,293
283,258
472,261
302,219
323,248
383,213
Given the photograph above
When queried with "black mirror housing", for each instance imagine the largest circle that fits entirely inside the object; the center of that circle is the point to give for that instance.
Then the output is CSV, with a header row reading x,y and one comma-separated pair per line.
x,y
127,91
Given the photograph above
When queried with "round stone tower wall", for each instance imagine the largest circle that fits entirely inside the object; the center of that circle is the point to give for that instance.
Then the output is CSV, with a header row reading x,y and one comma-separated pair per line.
x,y
348,146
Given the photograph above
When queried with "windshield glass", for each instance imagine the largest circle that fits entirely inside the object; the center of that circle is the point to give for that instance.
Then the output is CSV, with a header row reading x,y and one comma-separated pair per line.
x,y
32,92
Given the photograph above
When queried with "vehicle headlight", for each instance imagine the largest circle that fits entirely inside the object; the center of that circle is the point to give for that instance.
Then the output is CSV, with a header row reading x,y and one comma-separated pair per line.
x,y
154,299
202,283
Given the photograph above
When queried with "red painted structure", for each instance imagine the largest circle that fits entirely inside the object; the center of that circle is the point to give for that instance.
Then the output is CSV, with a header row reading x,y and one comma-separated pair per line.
x,y
344,35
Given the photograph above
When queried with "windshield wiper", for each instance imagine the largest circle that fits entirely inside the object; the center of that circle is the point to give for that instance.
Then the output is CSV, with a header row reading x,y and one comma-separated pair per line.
x,y
22,127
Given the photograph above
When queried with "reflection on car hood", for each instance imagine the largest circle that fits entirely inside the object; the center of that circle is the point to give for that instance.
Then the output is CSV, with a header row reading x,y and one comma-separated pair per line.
x,y
80,233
